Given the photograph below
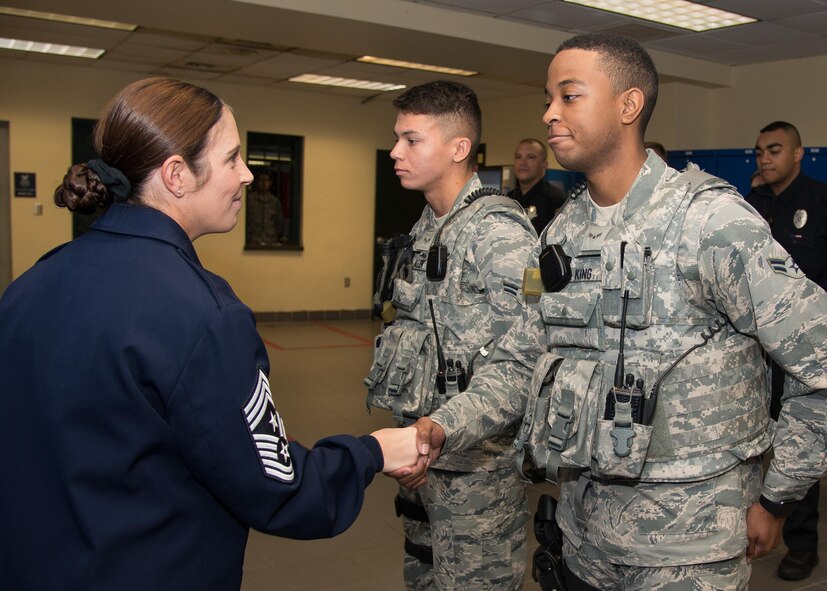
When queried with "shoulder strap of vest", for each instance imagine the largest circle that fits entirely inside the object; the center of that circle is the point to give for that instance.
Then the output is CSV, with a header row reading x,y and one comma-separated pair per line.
x,y
698,181
481,200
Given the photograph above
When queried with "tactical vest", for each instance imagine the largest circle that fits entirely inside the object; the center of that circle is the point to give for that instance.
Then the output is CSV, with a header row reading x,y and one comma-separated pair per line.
x,y
403,375
707,415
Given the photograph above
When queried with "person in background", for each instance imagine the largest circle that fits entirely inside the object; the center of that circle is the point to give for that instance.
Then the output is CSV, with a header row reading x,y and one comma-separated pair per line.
x,y
795,207
266,225
756,180
539,198
139,437
657,148
458,286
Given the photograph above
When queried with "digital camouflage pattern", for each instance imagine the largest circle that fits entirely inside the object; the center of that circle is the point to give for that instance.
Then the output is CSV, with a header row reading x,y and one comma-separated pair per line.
x,y
476,504
688,263
474,305
477,532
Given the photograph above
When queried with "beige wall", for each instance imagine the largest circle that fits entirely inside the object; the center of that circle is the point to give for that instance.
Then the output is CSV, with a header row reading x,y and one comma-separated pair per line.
x,y
341,138
696,117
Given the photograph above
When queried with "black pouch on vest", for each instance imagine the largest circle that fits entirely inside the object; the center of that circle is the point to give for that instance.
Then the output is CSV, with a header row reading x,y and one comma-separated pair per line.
x,y
555,268
437,264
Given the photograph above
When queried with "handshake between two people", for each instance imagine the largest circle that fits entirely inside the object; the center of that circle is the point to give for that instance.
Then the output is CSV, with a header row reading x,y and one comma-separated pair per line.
x,y
410,450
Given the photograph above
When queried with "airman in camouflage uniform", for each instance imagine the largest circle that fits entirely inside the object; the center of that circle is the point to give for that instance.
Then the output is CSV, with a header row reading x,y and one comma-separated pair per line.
x,y
705,286
471,534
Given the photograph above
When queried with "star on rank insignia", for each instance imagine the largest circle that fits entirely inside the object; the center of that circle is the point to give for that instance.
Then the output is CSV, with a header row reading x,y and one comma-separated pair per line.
x,y
785,266
267,431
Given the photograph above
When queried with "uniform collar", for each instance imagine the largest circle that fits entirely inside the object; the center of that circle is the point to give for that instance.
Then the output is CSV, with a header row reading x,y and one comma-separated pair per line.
x,y
792,188
647,180
473,184
536,189
145,222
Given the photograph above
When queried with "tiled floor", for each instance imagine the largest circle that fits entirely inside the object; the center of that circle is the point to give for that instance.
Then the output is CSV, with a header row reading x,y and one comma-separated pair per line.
x,y
316,377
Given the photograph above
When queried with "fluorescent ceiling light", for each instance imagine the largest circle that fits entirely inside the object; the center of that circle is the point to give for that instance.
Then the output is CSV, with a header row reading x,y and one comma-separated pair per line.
x,y
345,82
676,13
414,66
53,48
65,18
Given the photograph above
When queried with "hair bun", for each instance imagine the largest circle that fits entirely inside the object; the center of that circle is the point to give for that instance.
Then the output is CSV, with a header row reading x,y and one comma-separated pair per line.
x,y
82,191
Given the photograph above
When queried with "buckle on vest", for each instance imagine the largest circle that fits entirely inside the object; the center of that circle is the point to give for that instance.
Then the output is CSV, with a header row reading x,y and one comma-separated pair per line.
x,y
560,431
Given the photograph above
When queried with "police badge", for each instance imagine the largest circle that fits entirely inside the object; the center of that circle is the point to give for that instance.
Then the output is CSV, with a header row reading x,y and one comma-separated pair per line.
x,y
800,218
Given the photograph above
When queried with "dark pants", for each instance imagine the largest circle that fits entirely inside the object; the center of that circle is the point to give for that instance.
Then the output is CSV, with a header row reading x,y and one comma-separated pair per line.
x,y
801,527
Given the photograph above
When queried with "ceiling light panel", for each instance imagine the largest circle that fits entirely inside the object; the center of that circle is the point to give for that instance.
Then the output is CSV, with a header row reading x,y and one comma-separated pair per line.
x,y
65,18
675,13
51,48
346,82
415,66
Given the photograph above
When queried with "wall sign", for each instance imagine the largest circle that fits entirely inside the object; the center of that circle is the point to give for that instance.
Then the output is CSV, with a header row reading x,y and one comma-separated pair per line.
x,y
24,184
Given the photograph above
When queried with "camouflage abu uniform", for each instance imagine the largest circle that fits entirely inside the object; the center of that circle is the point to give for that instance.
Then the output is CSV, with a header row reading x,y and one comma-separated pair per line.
x,y
681,496
475,503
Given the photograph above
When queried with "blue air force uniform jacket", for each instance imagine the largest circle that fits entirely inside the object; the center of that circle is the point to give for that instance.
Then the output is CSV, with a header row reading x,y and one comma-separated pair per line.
x,y
138,436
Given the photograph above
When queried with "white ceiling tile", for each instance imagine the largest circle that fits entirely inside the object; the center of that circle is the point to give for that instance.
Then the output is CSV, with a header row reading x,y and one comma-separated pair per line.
x,y
758,34
253,80
747,55
285,65
567,17
767,10
169,40
174,72
789,29
698,44
490,7
153,53
812,23
124,66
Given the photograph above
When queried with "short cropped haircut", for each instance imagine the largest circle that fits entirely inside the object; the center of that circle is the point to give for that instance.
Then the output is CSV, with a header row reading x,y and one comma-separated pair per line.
x,y
452,102
536,142
784,126
627,65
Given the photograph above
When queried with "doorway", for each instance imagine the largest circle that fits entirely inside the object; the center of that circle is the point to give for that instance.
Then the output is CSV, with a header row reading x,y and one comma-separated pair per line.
x,y
397,208
5,208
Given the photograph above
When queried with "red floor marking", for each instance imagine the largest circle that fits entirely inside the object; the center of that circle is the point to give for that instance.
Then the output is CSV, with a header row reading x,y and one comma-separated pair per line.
x,y
344,332
363,342
312,347
273,345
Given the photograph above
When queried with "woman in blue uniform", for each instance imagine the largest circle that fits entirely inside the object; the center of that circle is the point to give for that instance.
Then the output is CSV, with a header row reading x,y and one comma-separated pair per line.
x,y
139,440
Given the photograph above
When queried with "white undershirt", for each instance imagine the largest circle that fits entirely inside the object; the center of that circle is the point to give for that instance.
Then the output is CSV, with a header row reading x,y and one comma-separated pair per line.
x,y
605,214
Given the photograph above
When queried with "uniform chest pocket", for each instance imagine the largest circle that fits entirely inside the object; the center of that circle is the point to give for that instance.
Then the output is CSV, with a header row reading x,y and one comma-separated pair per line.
x,y
627,267
406,297
573,319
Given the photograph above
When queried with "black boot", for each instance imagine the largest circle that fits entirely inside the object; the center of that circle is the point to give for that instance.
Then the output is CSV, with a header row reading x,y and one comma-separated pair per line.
x,y
797,564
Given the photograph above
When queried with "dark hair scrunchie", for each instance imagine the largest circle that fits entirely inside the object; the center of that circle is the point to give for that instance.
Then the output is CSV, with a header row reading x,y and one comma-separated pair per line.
x,y
113,178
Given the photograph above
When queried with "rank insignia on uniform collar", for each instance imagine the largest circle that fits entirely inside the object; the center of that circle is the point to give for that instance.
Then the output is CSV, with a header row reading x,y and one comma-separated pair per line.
x,y
267,432
786,267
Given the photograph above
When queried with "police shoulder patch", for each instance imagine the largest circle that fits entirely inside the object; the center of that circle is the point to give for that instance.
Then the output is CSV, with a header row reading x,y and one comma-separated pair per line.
x,y
267,432
786,267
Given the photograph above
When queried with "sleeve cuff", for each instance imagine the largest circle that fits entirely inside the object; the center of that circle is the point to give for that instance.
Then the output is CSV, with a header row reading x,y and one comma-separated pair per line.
x,y
783,489
372,445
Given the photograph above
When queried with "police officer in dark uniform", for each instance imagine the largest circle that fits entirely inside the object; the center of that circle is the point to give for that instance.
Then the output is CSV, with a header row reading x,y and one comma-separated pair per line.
x,y
795,206
139,440
540,199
